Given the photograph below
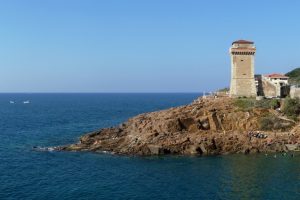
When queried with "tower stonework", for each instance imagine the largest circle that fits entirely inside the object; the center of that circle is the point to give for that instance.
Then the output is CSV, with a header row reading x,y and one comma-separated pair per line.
x,y
242,69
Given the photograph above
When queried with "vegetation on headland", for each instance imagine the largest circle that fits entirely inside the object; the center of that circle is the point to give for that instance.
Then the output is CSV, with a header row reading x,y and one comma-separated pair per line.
x,y
245,104
272,121
294,76
226,89
291,107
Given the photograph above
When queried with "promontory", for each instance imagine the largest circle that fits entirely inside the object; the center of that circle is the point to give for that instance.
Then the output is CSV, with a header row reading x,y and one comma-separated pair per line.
x,y
208,126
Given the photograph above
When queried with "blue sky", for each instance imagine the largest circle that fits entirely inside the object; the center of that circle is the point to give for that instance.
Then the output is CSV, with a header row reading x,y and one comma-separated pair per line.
x,y
139,46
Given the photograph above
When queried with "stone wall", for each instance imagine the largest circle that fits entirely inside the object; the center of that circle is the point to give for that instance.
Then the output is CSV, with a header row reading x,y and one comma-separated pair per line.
x,y
295,92
269,89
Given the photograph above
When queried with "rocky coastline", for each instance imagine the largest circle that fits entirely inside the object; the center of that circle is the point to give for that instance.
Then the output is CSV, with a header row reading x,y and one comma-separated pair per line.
x,y
208,126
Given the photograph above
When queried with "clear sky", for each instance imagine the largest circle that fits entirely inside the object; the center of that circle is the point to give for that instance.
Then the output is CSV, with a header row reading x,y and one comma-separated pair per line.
x,y
139,45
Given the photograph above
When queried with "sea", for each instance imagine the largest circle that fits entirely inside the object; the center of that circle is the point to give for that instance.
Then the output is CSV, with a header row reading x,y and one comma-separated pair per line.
x,y
47,120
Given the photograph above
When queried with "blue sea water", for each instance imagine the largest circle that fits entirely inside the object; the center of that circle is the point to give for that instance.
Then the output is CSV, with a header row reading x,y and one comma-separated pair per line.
x,y
56,119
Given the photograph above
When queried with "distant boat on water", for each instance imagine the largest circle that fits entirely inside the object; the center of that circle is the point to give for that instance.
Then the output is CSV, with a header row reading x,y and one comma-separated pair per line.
x,y
12,102
26,102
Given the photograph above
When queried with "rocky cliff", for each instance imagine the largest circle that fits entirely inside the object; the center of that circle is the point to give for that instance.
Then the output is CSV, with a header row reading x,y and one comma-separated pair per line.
x,y
207,126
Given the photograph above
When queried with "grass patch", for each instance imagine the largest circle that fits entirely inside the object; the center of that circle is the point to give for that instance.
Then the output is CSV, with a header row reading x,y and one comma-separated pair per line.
x,y
271,122
268,103
226,89
246,104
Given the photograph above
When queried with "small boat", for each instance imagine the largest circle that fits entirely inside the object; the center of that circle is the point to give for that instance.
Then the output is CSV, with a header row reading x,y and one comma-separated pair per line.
x,y
11,102
26,102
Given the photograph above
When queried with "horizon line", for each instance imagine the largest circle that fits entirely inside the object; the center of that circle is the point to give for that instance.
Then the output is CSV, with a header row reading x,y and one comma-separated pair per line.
x,y
103,92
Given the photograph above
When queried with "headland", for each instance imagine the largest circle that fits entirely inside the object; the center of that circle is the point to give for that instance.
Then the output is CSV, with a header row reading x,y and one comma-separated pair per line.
x,y
209,126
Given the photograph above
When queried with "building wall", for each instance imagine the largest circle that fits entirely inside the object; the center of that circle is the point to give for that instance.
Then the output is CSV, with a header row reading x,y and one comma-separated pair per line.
x,y
259,85
269,89
278,81
274,87
295,92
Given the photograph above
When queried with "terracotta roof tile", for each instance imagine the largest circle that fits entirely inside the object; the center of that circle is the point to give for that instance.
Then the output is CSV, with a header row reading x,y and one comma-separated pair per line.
x,y
243,42
274,75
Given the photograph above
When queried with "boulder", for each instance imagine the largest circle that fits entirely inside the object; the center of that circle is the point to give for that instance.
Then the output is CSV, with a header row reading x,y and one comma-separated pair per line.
x,y
154,149
292,147
186,122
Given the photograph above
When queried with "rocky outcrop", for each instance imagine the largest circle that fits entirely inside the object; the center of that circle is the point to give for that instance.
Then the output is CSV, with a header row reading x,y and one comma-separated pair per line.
x,y
206,127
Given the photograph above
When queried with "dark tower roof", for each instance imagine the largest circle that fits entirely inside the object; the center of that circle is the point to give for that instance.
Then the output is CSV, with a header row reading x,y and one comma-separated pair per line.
x,y
243,42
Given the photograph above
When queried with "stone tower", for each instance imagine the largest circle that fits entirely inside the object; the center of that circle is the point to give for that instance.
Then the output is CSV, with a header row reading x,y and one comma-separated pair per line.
x,y
242,69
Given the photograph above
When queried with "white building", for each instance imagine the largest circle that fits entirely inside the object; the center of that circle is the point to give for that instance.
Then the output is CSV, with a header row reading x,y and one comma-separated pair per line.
x,y
277,79
275,85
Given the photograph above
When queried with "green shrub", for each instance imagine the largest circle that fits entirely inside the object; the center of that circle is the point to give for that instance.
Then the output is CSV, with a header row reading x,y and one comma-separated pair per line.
x,y
226,89
274,103
271,122
294,76
266,123
291,107
249,103
245,103
268,103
